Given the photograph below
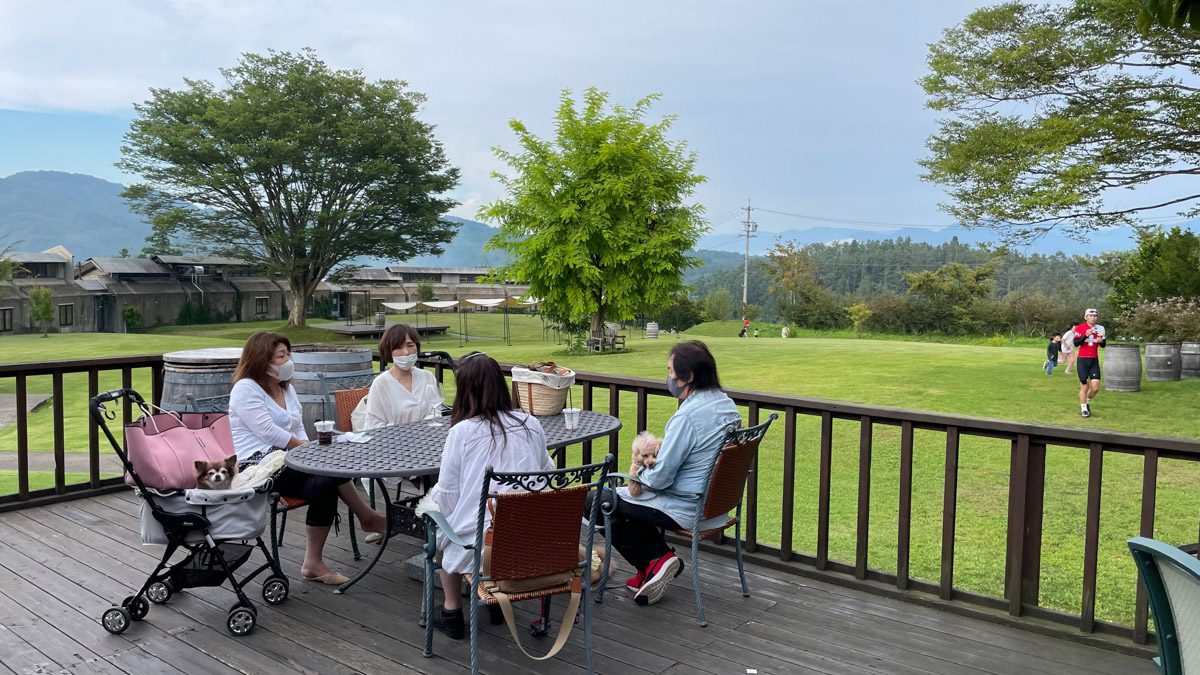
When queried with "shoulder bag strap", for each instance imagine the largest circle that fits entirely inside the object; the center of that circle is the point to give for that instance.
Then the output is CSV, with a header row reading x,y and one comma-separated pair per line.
x,y
564,628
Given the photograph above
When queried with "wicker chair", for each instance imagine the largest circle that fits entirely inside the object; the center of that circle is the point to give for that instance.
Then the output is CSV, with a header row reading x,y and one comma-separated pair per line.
x,y
1172,580
534,533
722,492
280,505
340,394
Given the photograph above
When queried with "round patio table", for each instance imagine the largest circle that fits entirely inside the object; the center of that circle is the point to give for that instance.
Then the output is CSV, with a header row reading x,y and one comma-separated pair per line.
x,y
414,450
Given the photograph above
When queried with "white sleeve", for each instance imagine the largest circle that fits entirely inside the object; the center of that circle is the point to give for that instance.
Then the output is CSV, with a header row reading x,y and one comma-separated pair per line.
x,y
379,404
296,414
539,439
251,403
450,477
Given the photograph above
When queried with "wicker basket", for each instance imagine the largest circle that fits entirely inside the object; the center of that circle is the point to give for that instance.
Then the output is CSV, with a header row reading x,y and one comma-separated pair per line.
x,y
541,393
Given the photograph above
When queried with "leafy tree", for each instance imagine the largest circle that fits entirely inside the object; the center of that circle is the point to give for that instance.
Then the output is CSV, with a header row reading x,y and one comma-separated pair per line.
x,y
123,253
42,310
133,318
750,311
680,314
8,266
293,166
425,291
1053,109
792,271
951,294
1176,14
158,242
718,304
858,313
1166,264
595,219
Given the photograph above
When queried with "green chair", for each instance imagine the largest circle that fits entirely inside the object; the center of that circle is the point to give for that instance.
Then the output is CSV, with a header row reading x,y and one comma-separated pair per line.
x,y
1172,580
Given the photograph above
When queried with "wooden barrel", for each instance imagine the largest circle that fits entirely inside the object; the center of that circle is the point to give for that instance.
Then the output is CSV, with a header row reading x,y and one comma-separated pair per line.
x,y
1122,368
652,330
199,372
1163,362
334,361
1189,359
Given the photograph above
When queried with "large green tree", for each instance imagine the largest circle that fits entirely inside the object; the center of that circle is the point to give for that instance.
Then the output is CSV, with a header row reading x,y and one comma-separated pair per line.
x,y
950,296
596,219
1054,110
8,266
1166,264
293,166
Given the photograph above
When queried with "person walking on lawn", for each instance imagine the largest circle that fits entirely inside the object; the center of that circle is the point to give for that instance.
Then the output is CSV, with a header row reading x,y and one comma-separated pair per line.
x,y
1052,352
1088,338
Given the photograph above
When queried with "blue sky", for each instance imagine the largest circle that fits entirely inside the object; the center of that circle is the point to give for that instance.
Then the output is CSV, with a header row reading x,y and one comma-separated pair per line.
x,y
804,106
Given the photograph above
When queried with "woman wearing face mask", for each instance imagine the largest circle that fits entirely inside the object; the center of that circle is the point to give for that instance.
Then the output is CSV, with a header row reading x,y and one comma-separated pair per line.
x,y
265,415
692,438
402,393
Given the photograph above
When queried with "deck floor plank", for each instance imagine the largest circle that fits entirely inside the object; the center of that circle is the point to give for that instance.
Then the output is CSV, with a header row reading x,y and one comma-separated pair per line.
x,y
70,561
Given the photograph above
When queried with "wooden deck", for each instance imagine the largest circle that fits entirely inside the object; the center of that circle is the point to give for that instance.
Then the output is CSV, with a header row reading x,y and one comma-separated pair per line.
x,y
63,564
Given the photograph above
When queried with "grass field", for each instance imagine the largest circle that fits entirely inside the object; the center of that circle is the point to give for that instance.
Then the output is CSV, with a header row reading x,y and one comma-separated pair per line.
x,y
968,379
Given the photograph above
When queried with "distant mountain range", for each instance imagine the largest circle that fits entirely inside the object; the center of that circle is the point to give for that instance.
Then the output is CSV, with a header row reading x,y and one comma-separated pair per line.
x,y
87,216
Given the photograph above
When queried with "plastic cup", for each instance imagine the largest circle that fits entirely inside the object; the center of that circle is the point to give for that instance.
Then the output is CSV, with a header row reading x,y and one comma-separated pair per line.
x,y
571,418
324,431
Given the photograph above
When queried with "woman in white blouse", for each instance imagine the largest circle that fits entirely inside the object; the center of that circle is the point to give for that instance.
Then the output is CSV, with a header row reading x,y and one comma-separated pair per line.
x,y
265,415
401,393
484,431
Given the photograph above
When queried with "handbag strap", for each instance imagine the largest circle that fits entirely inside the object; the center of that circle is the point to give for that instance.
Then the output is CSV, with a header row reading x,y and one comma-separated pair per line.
x,y
564,628
148,409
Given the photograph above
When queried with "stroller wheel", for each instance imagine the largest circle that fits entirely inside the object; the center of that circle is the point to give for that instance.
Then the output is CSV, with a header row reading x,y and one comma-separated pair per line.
x,y
159,592
241,620
137,606
115,620
275,590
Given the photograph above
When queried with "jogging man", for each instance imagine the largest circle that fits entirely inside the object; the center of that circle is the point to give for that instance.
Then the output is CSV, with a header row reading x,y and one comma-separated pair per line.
x,y
1089,337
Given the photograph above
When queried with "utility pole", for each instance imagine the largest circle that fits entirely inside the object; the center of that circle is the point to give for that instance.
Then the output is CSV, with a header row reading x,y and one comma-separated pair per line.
x,y
750,227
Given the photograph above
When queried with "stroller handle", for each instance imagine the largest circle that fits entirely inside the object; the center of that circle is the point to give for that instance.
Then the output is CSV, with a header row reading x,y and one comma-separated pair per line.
x,y
449,360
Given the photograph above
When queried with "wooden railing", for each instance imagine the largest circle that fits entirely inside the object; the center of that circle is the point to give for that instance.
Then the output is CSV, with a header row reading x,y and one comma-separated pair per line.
x,y
1026,490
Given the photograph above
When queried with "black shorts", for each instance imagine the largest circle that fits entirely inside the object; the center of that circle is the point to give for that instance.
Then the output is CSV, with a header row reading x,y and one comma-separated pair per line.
x,y
1088,369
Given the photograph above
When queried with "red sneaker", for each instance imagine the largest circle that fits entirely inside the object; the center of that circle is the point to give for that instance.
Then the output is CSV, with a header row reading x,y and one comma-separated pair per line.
x,y
635,582
658,576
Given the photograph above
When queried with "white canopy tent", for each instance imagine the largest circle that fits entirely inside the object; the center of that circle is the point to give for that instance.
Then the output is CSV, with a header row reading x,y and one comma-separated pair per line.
x,y
504,302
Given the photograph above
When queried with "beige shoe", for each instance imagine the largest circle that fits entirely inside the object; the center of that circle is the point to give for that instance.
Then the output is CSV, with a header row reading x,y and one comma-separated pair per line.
x,y
333,579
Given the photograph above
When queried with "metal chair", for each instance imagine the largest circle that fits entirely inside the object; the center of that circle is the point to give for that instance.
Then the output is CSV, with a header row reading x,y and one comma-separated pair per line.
x,y
332,386
534,533
722,492
280,505
1172,580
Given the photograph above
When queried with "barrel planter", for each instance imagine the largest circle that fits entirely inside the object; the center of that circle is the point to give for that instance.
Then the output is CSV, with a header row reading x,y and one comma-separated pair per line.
x,y
1122,368
652,330
1163,362
1189,358
199,372
332,360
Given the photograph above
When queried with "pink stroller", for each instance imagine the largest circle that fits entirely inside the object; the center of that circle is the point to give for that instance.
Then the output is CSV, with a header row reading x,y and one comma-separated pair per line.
x,y
219,529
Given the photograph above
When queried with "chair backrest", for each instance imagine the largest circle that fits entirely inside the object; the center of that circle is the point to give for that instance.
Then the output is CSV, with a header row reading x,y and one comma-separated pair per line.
x,y
1172,580
345,401
535,529
334,383
727,478
208,404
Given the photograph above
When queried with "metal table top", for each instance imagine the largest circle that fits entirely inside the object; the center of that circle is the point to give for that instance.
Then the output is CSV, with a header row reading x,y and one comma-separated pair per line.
x,y
415,448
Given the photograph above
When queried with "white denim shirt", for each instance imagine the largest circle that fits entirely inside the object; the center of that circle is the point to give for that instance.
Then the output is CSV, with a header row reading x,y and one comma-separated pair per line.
x,y
693,436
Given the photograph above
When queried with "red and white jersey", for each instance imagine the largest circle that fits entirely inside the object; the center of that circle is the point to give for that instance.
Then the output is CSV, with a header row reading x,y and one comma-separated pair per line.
x,y
1088,344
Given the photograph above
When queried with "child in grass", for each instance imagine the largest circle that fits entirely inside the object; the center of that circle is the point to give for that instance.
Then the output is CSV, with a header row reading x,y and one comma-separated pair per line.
x,y
1052,351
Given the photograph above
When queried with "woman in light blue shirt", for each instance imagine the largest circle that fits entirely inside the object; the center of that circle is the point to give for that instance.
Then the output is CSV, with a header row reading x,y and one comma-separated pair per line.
x,y
693,436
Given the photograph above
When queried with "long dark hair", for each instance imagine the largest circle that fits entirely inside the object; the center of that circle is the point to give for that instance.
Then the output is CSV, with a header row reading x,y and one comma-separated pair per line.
x,y
480,390
257,355
693,358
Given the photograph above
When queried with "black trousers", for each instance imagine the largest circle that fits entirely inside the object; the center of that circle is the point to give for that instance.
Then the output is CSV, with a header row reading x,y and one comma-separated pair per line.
x,y
321,493
635,530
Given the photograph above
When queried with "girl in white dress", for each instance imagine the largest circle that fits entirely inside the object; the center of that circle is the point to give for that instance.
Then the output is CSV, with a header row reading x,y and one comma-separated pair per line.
x,y
484,431
401,393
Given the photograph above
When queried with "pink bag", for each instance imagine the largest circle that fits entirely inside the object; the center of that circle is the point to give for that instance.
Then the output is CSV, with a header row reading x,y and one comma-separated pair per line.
x,y
163,448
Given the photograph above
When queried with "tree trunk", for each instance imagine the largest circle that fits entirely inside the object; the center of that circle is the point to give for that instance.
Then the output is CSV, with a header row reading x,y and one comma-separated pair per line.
x,y
597,327
302,290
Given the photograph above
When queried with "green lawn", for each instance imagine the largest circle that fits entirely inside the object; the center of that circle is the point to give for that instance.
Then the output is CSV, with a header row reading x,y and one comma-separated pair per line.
x,y
969,379
39,480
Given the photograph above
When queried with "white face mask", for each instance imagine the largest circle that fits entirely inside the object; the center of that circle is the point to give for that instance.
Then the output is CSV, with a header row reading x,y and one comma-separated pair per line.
x,y
404,362
282,373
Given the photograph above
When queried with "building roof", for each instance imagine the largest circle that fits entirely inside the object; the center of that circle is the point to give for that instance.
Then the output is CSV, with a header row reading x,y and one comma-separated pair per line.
x,y
371,274
398,269
42,257
199,260
127,266
93,285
